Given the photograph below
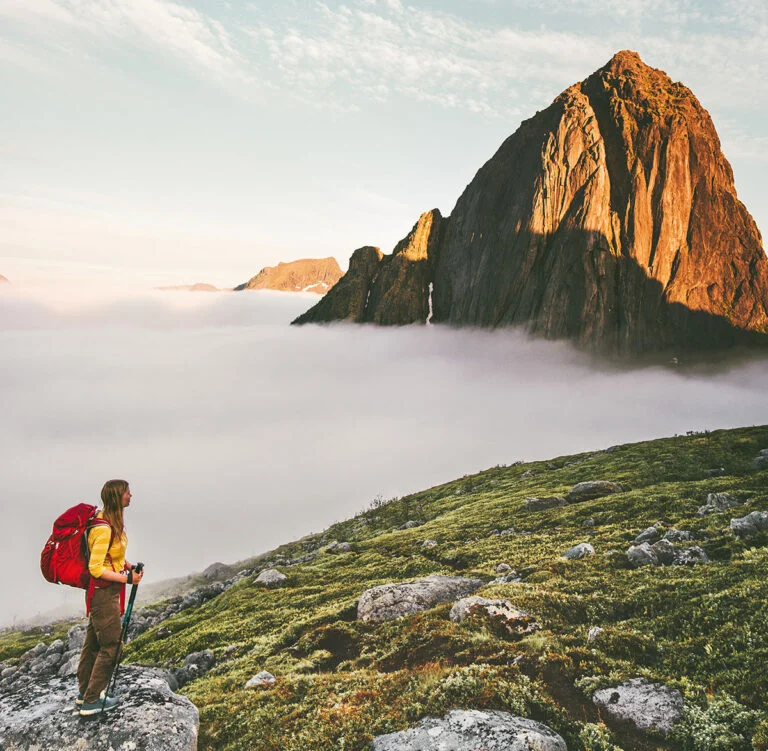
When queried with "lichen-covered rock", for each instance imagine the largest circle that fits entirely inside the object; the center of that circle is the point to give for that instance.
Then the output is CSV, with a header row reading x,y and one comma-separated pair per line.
x,y
594,634
718,502
263,678
270,577
504,610
678,535
41,715
648,706
388,601
582,550
587,491
649,535
471,730
751,524
642,555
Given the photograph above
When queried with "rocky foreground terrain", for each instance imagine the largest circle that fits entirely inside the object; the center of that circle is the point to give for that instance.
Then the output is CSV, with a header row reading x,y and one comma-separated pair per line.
x,y
614,599
610,218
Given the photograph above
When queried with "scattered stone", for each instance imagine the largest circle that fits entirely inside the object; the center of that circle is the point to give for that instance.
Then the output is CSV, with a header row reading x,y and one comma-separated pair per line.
x,y
508,531
339,547
539,504
582,550
665,552
717,502
270,577
594,633
588,522
528,474
648,706
503,567
678,535
470,730
163,632
264,678
40,714
751,524
515,621
429,544
716,472
512,576
761,461
687,556
650,535
388,601
587,491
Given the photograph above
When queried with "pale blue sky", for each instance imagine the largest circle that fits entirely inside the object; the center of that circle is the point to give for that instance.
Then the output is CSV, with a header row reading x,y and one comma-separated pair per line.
x,y
199,141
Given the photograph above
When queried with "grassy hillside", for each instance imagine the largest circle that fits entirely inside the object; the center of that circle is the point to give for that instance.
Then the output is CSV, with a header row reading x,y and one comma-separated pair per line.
x,y
702,629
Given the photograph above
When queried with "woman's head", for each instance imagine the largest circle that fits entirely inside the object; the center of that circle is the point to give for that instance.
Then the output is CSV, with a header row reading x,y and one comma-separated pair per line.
x,y
114,495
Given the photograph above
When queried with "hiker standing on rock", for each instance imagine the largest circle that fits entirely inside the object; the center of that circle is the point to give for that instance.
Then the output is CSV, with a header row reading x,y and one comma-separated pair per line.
x,y
105,598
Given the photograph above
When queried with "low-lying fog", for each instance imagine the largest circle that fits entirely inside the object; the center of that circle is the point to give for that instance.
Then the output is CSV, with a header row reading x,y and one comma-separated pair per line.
x,y
238,432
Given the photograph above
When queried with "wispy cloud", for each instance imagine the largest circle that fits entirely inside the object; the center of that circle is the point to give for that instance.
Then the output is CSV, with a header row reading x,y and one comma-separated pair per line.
x,y
187,34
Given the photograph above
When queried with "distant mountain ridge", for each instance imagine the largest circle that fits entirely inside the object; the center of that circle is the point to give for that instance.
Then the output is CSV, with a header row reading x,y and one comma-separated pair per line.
x,y
197,287
303,275
609,218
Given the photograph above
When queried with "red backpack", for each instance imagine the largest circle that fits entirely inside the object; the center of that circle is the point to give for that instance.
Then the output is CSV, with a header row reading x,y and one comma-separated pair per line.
x,y
64,559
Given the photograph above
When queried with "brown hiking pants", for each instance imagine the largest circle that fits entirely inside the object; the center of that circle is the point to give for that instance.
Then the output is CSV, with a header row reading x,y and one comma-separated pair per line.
x,y
102,641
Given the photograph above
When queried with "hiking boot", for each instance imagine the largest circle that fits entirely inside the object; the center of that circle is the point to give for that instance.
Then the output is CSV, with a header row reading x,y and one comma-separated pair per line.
x,y
95,707
79,699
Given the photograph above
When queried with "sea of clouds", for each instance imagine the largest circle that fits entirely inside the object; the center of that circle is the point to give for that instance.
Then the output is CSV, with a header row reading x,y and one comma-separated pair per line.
x,y
239,432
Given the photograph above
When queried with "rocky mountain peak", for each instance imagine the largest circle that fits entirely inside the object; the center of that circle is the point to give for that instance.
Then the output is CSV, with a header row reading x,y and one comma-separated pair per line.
x,y
610,218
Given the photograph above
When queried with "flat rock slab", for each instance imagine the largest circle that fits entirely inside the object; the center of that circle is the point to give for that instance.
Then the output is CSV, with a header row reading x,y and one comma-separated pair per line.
x,y
472,730
388,601
41,715
648,706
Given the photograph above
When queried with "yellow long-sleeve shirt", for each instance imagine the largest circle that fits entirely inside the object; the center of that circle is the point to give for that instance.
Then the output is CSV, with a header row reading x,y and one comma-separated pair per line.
x,y
98,542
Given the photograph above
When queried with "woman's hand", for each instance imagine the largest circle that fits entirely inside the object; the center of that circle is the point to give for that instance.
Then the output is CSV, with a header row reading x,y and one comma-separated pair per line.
x,y
137,576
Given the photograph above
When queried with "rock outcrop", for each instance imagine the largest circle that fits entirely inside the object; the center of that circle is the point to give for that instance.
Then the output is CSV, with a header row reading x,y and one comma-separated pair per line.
x,y
305,275
609,218
41,714
648,706
388,601
470,730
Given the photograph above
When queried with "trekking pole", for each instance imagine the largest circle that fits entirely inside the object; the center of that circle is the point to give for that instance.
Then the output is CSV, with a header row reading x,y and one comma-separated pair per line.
x,y
126,619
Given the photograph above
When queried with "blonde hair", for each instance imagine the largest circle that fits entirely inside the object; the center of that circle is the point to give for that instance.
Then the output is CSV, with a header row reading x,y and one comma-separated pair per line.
x,y
112,499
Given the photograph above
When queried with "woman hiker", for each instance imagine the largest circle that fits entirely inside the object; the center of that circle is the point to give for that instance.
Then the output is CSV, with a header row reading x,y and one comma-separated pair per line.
x,y
105,598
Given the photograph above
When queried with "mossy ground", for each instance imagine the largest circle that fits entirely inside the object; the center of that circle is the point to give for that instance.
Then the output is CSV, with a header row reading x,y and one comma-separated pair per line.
x,y
702,629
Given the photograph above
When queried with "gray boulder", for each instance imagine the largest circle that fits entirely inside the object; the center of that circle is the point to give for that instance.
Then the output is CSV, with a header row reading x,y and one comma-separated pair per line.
x,y
388,601
666,552
642,555
648,706
502,567
649,535
751,524
429,544
41,715
761,461
510,576
264,678
270,577
503,608
471,730
678,535
717,502
540,504
582,550
587,491
217,571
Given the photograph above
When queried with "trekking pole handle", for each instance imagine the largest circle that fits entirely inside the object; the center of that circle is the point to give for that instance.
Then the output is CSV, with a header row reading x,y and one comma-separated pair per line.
x,y
137,567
